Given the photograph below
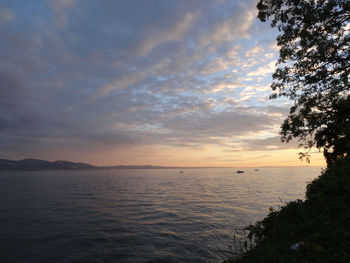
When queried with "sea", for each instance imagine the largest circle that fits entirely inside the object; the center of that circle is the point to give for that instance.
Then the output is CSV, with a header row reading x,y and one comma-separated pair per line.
x,y
137,215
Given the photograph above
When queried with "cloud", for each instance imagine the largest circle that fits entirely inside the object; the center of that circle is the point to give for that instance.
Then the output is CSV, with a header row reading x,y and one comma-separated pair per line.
x,y
263,70
268,144
122,82
257,50
104,75
213,66
226,29
60,8
280,110
177,32
202,128
6,15
224,85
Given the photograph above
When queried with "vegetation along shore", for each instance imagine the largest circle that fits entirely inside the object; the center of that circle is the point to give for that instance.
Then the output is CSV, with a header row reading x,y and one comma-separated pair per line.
x,y
320,224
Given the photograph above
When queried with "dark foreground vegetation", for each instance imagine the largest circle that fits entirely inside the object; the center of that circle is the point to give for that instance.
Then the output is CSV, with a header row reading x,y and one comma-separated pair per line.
x,y
321,222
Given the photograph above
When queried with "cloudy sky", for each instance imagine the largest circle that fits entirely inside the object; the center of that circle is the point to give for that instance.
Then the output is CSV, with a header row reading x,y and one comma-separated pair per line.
x,y
177,83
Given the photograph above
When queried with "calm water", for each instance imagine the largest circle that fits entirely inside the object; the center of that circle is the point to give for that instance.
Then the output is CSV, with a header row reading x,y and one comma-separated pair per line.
x,y
136,215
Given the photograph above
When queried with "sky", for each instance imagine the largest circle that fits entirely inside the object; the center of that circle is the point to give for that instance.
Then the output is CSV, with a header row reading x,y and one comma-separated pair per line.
x,y
173,83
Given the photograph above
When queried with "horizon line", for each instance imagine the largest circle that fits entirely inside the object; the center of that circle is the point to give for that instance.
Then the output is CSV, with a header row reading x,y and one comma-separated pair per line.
x,y
152,166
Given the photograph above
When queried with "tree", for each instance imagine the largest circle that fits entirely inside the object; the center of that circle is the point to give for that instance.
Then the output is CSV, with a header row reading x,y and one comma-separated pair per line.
x,y
313,71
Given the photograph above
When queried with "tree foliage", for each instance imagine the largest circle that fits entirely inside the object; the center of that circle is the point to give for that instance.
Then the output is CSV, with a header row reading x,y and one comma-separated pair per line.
x,y
313,71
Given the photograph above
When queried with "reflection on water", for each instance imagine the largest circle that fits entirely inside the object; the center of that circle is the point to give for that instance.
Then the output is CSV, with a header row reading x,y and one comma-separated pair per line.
x,y
136,215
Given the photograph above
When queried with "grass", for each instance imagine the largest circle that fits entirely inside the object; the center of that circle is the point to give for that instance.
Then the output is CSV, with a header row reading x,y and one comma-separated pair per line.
x,y
322,222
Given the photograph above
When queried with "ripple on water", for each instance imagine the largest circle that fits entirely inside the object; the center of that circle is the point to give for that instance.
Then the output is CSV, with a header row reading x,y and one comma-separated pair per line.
x,y
136,215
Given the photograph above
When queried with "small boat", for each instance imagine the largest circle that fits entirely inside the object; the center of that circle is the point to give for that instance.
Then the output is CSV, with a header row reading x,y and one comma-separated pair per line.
x,y
181,172
240,171
256,170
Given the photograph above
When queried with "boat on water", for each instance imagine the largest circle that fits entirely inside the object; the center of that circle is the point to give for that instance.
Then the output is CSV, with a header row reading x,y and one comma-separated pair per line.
x,y
240,171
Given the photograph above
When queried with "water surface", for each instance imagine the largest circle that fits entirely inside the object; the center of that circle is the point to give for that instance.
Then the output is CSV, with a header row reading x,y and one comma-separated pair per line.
x,y
151,215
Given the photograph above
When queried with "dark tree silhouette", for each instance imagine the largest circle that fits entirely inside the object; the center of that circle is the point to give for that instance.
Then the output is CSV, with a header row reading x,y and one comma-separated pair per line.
x,y
313,71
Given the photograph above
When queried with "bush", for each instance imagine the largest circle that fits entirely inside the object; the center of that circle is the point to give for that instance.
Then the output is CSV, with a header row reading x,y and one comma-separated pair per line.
x,y
322,222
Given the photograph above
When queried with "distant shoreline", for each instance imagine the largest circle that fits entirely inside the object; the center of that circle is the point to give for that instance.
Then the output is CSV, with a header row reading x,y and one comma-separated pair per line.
x,y
43,165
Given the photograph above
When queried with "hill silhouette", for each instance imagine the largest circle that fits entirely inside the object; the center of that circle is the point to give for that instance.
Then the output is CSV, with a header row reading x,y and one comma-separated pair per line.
x,y
36,164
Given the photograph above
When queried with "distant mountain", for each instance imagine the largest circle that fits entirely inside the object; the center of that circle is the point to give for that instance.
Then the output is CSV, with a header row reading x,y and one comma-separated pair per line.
x,y
35,164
